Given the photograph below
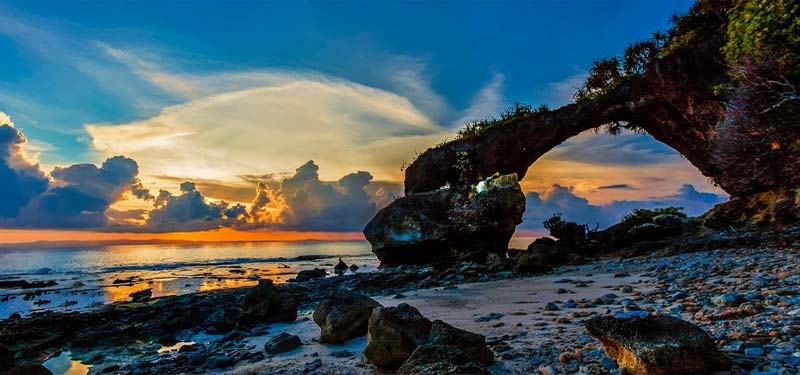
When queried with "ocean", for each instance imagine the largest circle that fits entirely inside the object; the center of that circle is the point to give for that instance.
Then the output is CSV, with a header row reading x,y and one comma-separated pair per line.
x,y
90,277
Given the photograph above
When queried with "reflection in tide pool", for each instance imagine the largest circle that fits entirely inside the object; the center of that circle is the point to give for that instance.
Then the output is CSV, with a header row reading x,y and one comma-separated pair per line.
x,y
176,347
63,364
91,277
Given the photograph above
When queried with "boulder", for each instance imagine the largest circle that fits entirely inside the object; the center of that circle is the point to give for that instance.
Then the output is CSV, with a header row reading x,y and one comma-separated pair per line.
x,y
340,267
265,304
647,232
672,224
28,370
6,358
281,343
393,333
218,322
472,344
343,315
306,275
452,222
540,257
658,345
440,359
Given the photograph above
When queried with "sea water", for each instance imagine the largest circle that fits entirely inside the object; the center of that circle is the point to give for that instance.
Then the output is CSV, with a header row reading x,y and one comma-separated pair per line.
x,y
90,277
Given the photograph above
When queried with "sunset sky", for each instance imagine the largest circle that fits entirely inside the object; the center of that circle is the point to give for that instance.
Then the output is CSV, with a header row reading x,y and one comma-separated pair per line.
x,y
291,121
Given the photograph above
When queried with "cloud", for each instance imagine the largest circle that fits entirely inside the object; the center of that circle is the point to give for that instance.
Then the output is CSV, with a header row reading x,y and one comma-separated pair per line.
x,y
20,177
487,102
80,195
72,197
243,132
616,186
626,148
315,205
562,92
561,199
190,211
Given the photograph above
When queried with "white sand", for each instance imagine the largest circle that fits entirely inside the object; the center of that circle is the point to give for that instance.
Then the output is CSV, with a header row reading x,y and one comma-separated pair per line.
x,y
521,302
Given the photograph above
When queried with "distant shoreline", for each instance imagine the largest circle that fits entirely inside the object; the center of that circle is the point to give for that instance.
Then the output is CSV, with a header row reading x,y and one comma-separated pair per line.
x,y
49,245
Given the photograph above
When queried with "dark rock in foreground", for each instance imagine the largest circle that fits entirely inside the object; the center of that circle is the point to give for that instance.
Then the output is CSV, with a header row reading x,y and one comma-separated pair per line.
x,y
394,333
306,275
343,315
658,345
449,222
472,344
265,304
440,359
281,343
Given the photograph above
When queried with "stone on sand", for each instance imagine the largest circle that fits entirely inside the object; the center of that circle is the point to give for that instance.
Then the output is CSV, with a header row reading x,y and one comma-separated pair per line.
x,y
658,345
343,315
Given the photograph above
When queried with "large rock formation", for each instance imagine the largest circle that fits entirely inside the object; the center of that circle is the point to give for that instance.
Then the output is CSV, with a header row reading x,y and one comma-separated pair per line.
x,y
448,222
677,95
394,333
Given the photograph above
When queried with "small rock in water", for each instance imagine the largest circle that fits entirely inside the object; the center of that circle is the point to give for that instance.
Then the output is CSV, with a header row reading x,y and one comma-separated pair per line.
x,y
551,307
340,267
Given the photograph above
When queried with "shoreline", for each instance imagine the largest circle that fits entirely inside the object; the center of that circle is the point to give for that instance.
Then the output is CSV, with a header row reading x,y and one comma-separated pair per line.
x,y
530,332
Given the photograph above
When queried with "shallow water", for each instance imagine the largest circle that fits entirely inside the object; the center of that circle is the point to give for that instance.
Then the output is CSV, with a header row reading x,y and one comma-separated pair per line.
x,y
64,364
91,277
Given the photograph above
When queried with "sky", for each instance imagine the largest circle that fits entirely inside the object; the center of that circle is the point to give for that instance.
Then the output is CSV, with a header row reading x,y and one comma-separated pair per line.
x,y
152,118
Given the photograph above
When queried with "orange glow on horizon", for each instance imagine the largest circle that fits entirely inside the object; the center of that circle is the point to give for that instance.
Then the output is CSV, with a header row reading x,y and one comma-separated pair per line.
x,y
17,236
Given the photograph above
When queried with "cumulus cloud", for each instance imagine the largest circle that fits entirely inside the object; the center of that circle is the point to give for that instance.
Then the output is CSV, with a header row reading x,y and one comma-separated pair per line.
x,y
80,195
76,196
190,211
561,199
20,177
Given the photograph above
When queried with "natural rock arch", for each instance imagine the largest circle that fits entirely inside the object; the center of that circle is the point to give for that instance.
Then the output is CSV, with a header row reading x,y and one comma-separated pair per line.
x,y
674,100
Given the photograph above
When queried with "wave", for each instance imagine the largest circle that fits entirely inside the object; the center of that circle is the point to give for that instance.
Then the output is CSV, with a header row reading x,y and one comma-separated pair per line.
x,y
220,262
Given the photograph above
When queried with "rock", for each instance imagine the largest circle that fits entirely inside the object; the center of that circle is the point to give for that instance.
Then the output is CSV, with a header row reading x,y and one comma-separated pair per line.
x,y
265,304
281,343
343,315
672,224
218,322
341,354
647,232
6,358
393,334
306,275
353,268
495,262
141,296
340,267
451,222
538,258
488,317
730,299
472,344
28,370
440,359
658,345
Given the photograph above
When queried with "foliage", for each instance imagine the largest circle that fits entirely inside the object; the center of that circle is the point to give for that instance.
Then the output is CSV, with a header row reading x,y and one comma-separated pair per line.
x,y
463,166
516,111
645,215
639,57
604,75
764,29
555,223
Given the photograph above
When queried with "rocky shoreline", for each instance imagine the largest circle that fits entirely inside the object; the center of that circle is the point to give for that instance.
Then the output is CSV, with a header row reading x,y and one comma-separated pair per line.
x,y
747,298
